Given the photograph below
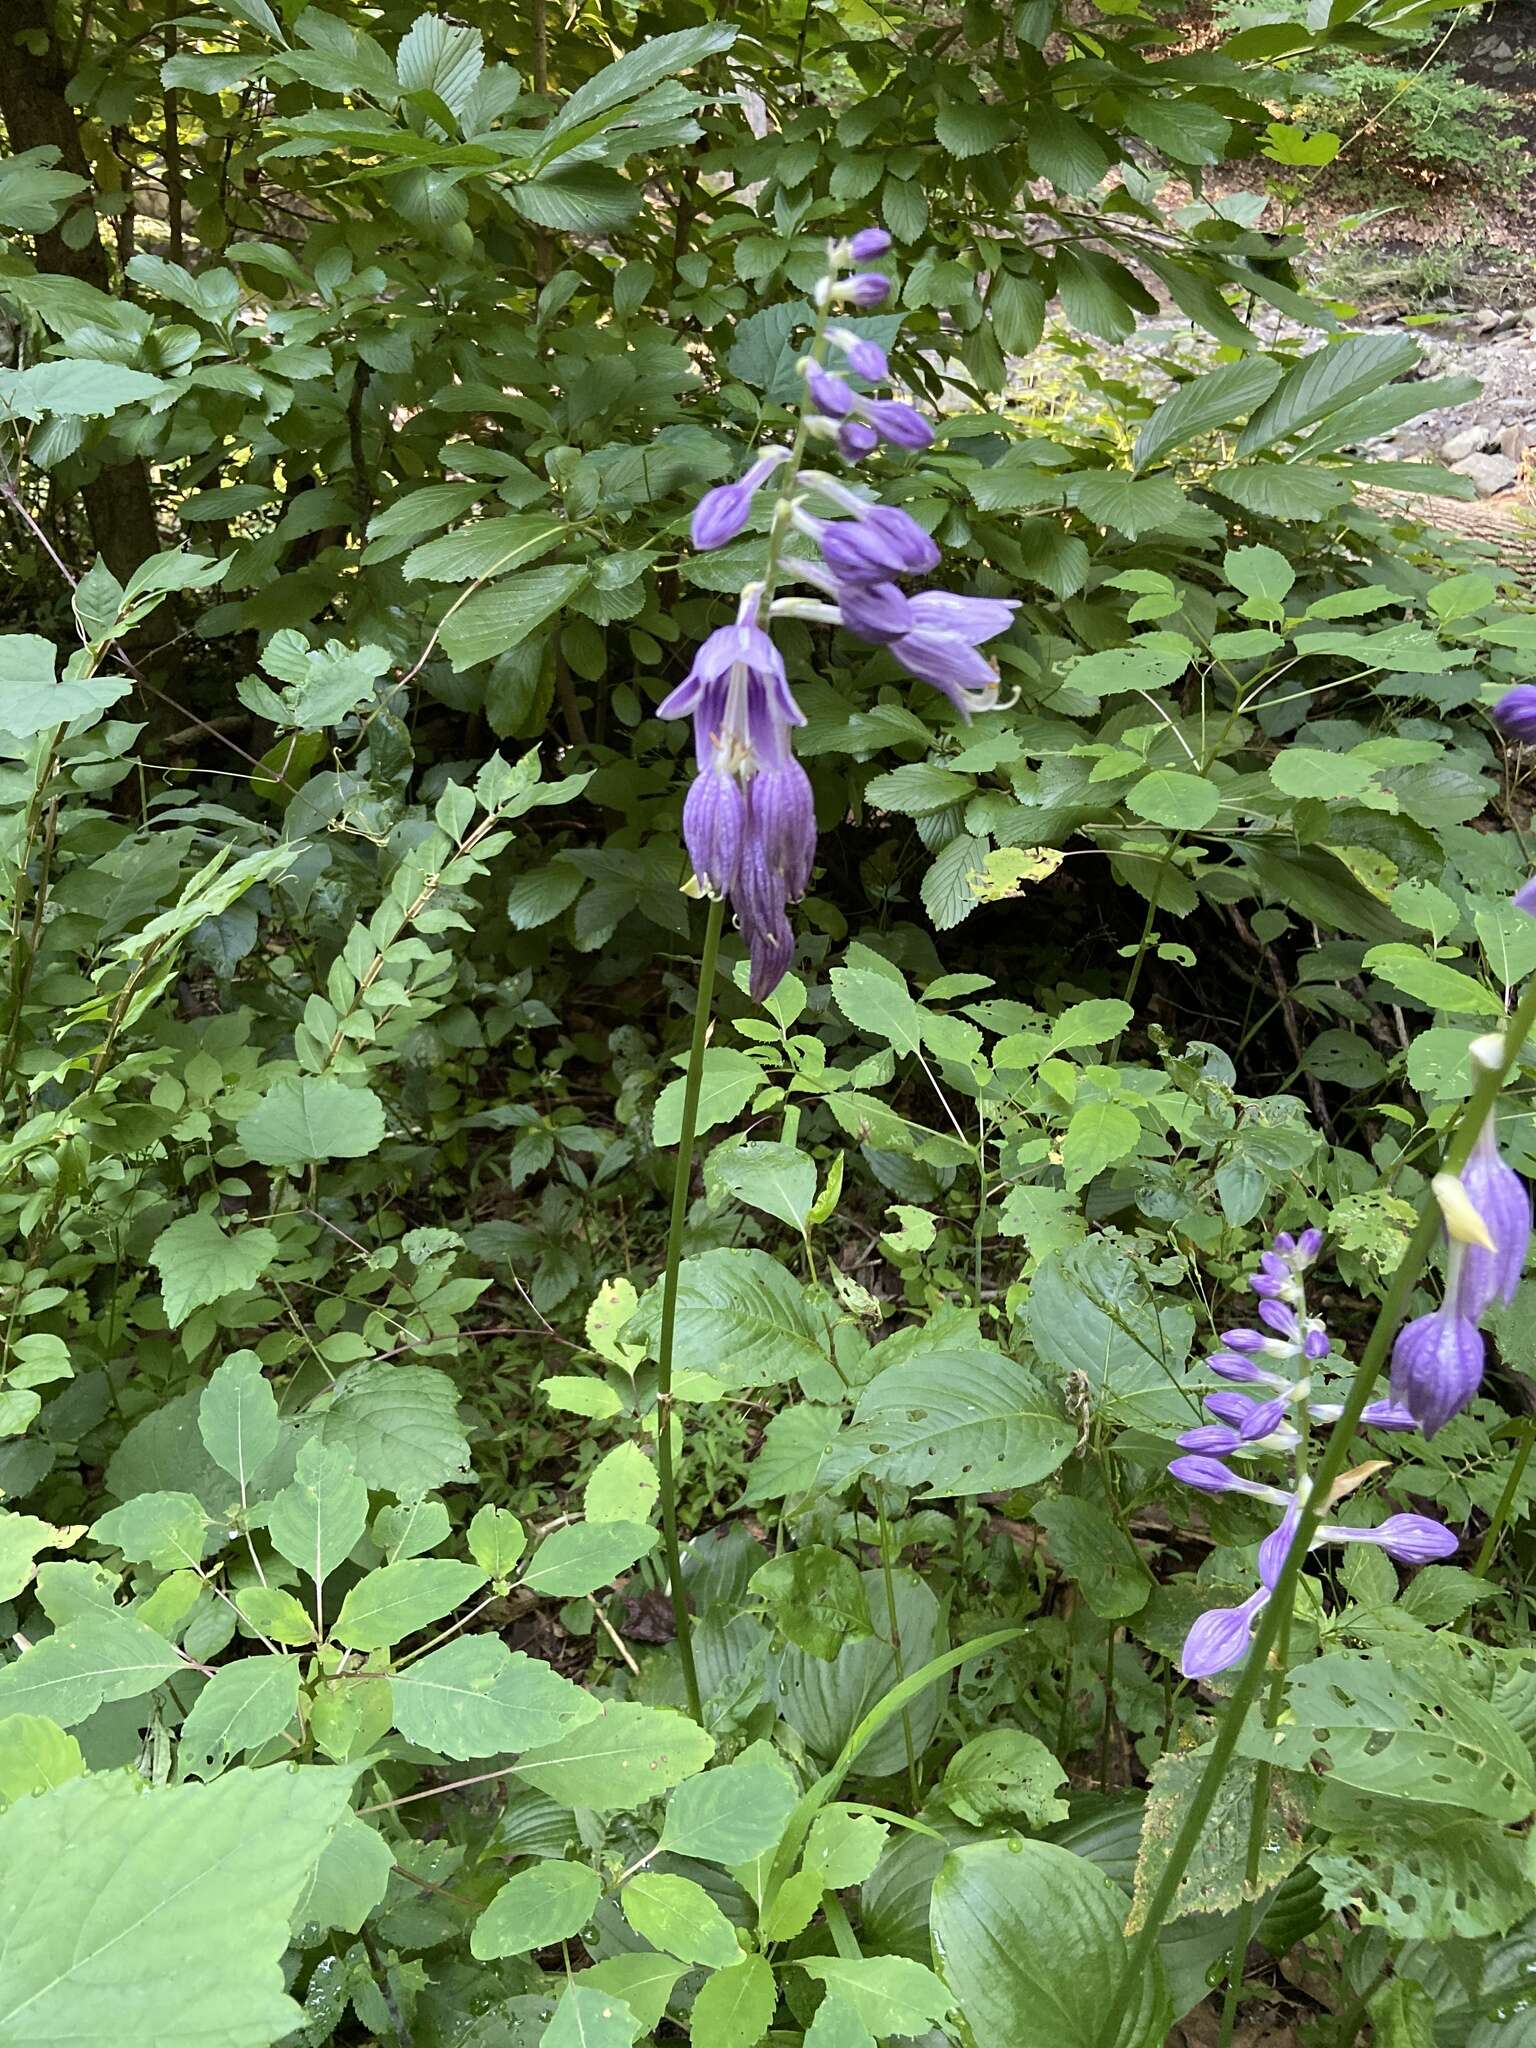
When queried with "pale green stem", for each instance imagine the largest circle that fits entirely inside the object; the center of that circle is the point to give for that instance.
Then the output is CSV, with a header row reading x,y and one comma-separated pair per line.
x,y
682,1176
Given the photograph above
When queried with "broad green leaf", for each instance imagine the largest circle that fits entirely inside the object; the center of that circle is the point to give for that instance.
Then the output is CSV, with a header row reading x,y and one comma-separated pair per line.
x,y
624,1757
166,1530
1093,1311
549,1902
825,1701
399,1424
1326,380
144,1906
623,1487
1391,1731
836,2024
350,1879
729,1815
734,2008
741,1318
237,1418
438,58
305,1118
35,1755
412,1528
1126,668
774,1178
642,1978
1004,1775
319,1519
1098,1554
1433,983
680,1917
585,2018
730,1080
496,1539
586,1555
494,621
956,1416
1215,399
843,1847
97,1656
395,1601
242,1706
639,69
1215,1880
789,1457
1098,1136
199,1262
1331,778
879,1003
32,698
1132,506
86,389
484,549
1028,1937
475,1697
816,1598
276,1614
1175,798
890,1994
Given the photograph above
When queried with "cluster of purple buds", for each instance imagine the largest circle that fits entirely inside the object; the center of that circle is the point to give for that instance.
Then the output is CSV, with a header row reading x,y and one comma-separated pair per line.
x,y
1281,1360
749,820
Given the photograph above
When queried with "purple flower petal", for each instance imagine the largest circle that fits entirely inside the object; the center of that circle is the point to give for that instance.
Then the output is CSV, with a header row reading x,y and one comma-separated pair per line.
x,y
828,392
868,243
714,818
1415,1539
902,425
720,515
1205,1475
865,358
867,288
877,612
1213,1439
1437,1366
1502,1200
1220,1638
1515,712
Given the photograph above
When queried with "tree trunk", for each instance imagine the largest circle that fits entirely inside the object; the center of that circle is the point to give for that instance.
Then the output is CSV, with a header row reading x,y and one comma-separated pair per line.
x,y
34,78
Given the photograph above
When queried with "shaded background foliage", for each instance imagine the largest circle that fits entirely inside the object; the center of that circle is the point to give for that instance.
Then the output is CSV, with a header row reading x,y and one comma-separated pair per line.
x,y
363,370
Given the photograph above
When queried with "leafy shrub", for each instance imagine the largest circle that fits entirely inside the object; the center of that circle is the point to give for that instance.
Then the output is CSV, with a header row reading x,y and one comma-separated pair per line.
x,y
1417,125
382,1387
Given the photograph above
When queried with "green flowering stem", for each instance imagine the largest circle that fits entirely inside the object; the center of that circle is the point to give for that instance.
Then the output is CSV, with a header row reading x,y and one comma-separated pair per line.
x,y
1393,1312
1505,1508
682,1176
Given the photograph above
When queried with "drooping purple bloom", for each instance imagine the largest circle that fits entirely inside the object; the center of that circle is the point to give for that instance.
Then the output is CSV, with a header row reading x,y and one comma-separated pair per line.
x,y
749,820
941,647
895,421
828,392
723,512
1502,1200
856,439
1515,712
877,612
864,357
867,244
1220,1638
714,821
865,288
1409,1539
1437,1365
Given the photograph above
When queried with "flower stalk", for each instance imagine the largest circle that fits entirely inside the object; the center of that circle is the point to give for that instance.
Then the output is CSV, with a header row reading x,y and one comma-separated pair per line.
x,y
1491,1073
682,1176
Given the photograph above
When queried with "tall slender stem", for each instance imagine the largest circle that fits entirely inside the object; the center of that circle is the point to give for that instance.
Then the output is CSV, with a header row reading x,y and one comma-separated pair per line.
x,y
1266,1637
1502,1512
682,1176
